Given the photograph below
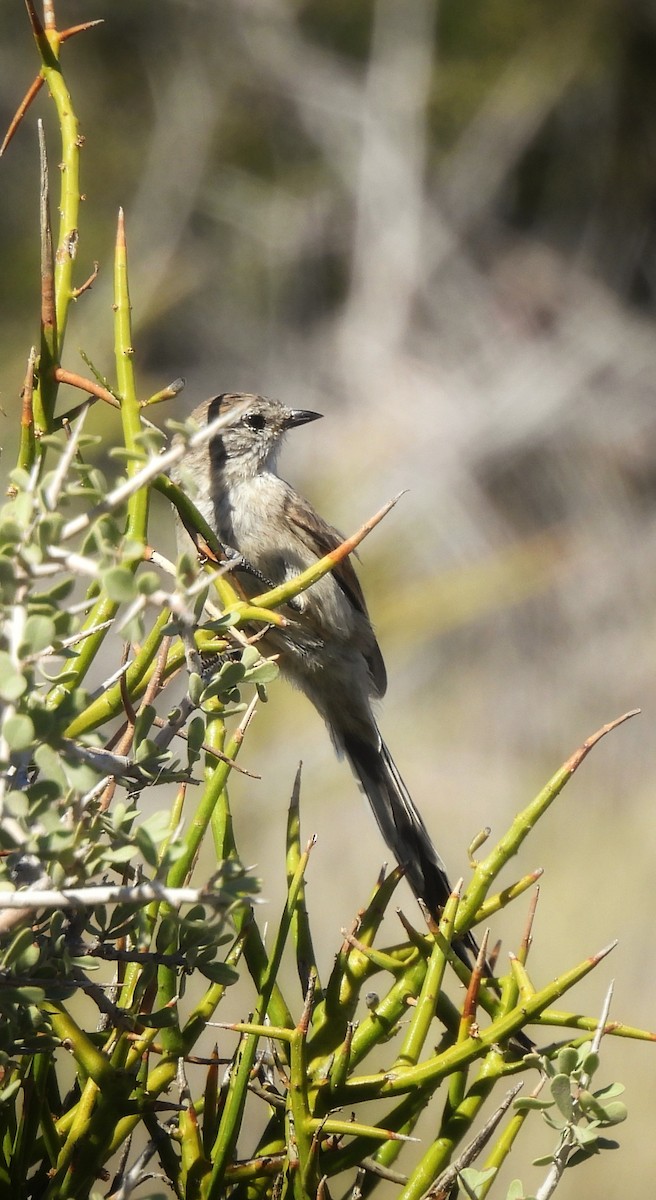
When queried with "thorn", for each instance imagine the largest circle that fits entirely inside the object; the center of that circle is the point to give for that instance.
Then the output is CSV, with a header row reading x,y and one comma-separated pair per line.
x,y
294,803
88,283
577,757
246,720
471,998
304,1023
27,391
527,936
493,956
75,29
426,913
603,1018
30,95
120,231
596,958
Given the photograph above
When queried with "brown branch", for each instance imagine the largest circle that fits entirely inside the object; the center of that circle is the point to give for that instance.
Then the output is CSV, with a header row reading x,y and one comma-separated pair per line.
x,y
37,27
155,682
349,544
30,95
86,385
36,85
471,997
126,701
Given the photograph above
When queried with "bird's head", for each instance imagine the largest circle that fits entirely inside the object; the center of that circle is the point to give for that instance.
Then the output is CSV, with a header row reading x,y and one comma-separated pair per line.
x,y
251,440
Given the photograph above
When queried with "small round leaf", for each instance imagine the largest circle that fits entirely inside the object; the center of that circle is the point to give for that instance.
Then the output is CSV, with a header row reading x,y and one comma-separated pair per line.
x,y
19,732
12,683
119,583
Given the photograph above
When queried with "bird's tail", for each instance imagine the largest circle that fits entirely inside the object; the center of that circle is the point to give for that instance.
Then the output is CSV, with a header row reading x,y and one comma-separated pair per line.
x,y
407,837
403,829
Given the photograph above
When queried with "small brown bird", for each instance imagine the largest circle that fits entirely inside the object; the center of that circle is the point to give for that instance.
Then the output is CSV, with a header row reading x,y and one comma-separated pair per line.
x,y
329,650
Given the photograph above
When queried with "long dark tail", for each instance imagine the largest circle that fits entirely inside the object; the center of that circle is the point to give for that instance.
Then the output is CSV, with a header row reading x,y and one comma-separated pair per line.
x,y
407,837
403,829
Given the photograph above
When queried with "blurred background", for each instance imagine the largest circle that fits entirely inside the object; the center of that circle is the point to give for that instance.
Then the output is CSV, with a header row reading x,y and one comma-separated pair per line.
x,y
436,224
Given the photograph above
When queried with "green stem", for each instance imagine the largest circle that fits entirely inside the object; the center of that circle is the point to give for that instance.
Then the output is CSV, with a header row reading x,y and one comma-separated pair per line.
x,y
27,444
299,1118
225,848
424,1012
306,960
103,610
374,1086
183,866
453,1132
48,45
110,704
137,523
90,1060
231,1117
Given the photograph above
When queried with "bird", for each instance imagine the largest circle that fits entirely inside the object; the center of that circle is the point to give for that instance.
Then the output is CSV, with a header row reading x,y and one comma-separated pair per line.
x,y
328,649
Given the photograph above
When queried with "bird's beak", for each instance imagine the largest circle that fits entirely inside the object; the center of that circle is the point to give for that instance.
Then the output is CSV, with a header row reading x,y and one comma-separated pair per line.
x,y
300,416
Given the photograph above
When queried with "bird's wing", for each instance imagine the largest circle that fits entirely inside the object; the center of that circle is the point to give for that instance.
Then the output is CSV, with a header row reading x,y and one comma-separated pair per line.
x,y
322,538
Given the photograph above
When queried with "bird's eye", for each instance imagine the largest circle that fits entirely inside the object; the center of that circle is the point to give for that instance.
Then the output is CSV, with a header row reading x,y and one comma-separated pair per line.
x,y
254,420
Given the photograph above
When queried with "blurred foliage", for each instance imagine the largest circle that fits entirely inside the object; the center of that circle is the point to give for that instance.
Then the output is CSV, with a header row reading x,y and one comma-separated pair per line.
x,y
583,169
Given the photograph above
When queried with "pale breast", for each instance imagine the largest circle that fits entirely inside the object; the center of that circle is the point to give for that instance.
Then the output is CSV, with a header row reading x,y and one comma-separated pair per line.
x,y
256,517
